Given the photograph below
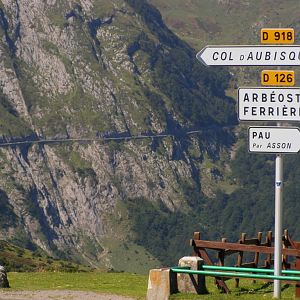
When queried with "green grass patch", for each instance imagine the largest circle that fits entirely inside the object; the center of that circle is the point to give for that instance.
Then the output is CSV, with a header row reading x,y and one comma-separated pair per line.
x,y
134,285
247,290
130,257
103,9
202,22
113,283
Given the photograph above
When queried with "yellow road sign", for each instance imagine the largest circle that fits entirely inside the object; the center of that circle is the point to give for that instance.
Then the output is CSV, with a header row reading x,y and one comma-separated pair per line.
x,y
277,36
278,78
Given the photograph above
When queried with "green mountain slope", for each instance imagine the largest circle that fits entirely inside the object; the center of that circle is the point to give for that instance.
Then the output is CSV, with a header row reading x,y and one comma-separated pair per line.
x,y
229,22
93,69
250,208
113,70
203,22
17,259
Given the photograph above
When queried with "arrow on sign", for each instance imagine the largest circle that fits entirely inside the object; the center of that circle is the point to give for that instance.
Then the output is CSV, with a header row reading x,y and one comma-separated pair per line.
x,y
259,55
274,139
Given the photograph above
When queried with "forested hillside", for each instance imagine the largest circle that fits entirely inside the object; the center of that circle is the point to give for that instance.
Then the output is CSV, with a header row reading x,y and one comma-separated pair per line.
x,y
250,208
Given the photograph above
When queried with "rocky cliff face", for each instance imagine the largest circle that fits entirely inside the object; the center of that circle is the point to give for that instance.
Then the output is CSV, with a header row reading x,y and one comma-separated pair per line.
x,y
92,69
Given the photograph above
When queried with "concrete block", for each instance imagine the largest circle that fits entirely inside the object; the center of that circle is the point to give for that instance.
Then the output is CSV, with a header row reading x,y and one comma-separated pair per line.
x,y
161,284
189,283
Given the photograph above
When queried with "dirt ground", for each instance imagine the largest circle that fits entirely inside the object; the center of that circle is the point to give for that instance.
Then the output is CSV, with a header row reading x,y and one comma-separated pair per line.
x,y
57,295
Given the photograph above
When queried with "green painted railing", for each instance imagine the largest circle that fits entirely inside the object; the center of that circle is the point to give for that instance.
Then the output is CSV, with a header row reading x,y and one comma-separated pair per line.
x,y
255,270
239,274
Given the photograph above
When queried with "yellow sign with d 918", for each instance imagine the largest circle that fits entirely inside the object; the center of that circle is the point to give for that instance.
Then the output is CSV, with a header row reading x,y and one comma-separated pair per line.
x,y
277,36
278,78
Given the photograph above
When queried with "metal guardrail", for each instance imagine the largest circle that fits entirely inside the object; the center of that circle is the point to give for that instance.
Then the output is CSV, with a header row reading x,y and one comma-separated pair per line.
x,y
255,270
218,271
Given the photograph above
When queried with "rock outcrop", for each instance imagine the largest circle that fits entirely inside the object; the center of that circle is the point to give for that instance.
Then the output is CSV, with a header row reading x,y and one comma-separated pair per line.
x,y
3,278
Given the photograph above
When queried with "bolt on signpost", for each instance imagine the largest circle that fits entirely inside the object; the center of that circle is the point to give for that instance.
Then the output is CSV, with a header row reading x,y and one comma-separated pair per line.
x,y
267,104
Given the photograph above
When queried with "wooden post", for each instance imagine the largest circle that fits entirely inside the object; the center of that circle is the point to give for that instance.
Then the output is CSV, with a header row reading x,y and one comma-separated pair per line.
x,y
269,244
285,245
297,284
297,245
221,257
240,258
197,236
201,252
219,282
221,254
256,257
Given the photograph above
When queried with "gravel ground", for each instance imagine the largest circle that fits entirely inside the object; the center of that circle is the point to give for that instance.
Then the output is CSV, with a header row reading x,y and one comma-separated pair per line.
x,y
57,295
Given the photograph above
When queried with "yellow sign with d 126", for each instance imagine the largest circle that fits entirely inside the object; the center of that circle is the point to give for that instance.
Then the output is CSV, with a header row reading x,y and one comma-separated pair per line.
x,y
278,78
277,36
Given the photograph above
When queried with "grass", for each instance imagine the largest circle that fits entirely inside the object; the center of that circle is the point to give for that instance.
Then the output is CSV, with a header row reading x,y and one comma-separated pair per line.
x,y
113,283
130,257
208,21
247,290
134,285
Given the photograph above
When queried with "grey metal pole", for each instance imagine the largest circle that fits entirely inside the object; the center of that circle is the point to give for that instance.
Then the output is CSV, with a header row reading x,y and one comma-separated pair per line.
x,y
278,220
278,224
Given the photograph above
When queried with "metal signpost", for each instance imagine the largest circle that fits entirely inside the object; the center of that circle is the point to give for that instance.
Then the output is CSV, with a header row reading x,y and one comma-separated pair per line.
x,y
278,224
267,104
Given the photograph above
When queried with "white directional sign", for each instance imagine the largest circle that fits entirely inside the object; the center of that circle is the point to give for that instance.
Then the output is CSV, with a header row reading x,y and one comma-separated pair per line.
x,y
269,104
274,139
250,55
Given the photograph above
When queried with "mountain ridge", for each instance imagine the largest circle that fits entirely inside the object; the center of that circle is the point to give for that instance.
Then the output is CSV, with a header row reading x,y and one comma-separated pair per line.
x,y
94,69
